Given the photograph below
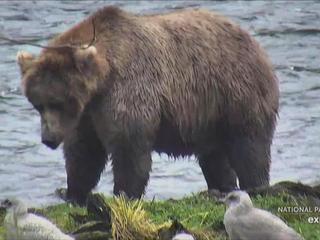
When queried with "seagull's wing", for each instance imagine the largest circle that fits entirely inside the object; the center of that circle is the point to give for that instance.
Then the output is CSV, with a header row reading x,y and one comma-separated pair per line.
x,y
262,225
231,224
33,227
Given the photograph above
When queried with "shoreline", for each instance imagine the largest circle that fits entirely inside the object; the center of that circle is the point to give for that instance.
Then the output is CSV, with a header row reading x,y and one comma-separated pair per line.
x,y
200,214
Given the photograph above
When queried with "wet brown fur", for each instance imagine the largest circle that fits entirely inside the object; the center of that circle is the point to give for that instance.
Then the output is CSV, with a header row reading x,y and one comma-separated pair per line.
x,y
187,82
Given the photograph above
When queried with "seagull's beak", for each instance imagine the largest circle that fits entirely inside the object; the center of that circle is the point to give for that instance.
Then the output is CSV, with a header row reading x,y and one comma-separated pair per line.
x,y
2,205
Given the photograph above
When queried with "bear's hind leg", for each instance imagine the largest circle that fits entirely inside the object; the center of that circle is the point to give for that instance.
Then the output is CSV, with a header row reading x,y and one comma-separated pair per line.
x,y
250,158
85,160
217,171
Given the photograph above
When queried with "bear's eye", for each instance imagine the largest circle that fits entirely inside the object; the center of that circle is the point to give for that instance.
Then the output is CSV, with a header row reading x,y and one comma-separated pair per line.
x,y
55,106
39,108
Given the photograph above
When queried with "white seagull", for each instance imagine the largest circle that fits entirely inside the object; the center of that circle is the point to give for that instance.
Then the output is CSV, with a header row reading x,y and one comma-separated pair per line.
x,y
245,222
183,236
21,225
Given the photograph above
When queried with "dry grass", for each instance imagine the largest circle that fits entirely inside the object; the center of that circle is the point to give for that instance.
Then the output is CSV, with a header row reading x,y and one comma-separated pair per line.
x,y
130,221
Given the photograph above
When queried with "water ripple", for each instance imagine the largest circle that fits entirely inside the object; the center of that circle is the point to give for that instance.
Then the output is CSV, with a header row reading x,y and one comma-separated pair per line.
x,y
291,40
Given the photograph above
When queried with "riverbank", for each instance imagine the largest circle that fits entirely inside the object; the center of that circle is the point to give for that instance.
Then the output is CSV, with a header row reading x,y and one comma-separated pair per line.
x,y
199,214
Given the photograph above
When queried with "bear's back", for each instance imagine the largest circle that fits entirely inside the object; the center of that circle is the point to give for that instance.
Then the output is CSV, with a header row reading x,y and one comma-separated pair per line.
x,y
193,66
210,68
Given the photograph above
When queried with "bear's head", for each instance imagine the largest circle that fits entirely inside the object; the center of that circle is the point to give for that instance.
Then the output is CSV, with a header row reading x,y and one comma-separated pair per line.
x,y
59,83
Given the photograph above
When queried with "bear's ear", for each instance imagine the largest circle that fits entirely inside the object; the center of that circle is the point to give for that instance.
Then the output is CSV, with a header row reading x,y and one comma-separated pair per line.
x,y
86,58
25,61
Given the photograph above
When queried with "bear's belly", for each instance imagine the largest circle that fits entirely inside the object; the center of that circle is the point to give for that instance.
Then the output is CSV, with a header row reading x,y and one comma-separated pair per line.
x,y
169,141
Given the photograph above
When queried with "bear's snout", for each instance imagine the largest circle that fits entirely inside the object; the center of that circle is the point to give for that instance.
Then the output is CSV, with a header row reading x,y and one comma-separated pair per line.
x,y
50,143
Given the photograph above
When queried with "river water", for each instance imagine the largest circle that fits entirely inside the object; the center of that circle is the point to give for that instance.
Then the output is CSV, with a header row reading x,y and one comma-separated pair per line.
x,y
289,30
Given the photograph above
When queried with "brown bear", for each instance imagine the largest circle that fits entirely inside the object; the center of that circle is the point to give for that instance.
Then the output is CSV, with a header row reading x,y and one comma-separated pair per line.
x,y
123,85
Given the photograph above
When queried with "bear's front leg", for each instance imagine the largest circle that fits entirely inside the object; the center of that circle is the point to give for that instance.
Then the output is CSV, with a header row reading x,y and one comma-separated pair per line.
x,y
85,160
131,168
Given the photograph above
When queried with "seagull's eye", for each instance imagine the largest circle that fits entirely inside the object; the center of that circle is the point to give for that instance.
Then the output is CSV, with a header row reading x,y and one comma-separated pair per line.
x,y
233,198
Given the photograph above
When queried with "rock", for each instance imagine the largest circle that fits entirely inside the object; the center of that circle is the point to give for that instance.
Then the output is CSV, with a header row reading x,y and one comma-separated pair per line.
x,y
98,209
296,190
92,227
292,188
